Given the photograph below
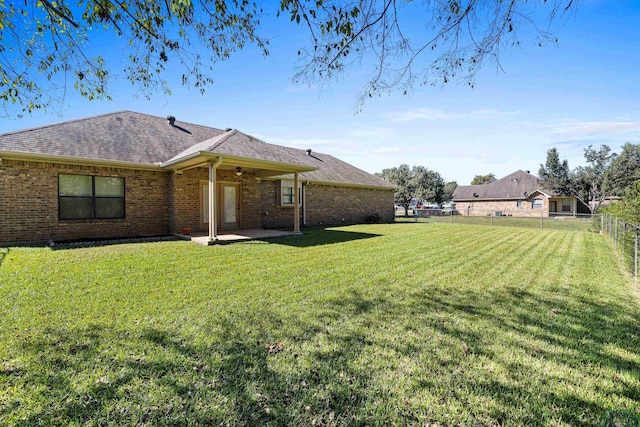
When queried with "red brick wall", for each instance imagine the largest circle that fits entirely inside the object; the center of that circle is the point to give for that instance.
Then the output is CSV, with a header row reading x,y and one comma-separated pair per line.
x,y
327,205
507,207
272,215
158,203
185,207
330,205
29,203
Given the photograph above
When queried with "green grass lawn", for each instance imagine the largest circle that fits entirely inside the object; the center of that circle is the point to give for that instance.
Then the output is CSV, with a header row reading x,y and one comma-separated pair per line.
x,y
399,324
549,222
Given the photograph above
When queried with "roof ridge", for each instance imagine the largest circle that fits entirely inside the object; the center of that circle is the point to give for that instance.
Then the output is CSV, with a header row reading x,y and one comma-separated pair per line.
x,y
293,159
223,138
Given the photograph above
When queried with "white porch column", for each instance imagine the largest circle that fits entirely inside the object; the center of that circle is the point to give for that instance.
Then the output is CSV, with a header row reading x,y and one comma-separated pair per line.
x,y
296,204
213,229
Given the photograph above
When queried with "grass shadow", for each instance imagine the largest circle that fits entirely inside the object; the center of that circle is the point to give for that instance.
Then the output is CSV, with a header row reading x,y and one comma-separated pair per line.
x,y
157,376
318,236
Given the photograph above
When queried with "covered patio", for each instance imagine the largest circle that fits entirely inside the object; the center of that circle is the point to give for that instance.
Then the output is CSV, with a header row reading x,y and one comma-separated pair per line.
x,y
233,162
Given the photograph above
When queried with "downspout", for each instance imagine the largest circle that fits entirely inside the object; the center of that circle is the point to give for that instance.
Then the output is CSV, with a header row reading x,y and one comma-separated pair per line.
x,y
296,203
213,232
304,205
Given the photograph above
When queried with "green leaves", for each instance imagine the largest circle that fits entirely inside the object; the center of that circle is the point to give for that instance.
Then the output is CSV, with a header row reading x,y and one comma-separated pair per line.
x,y
483,179
152,34
417,182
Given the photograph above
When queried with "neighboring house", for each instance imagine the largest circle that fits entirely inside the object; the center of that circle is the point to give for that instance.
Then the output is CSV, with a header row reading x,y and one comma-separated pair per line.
x,y
517,194
129,174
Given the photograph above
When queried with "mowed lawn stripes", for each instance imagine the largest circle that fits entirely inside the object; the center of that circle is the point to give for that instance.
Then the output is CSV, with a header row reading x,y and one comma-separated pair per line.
x,y
390,324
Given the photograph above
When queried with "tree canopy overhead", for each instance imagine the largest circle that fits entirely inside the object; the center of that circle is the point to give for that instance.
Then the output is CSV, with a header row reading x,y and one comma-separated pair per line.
x,y
45,44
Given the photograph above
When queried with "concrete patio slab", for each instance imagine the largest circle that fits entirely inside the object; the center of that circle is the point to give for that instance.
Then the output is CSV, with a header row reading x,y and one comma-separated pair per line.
x,y
237,236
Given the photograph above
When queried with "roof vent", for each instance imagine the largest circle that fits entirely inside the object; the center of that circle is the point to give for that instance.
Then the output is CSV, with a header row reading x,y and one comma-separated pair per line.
x,y
228,129
475,194
308,151
528,171
171,120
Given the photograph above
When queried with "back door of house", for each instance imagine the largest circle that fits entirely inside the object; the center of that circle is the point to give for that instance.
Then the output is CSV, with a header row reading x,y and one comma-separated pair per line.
x,y
228,196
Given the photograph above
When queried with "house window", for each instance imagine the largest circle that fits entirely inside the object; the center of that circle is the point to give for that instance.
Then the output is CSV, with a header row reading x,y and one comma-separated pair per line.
x,y
566,205
519,203
536,204
286,195
90,197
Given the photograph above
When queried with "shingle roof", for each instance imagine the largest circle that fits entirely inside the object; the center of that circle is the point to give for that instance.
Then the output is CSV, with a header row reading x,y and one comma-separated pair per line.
x,y
128,136
331,169
122,136
518,185
239,144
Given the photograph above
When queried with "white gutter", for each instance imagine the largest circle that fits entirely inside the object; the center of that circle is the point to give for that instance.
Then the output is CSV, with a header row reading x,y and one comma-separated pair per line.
x,y
66,160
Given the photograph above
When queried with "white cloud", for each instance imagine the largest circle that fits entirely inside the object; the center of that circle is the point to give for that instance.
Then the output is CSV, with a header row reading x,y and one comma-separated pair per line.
x,y
581,129
300,142
437,114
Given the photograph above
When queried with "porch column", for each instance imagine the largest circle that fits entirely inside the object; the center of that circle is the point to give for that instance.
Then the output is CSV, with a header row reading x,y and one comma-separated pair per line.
x,y
213,230
296,204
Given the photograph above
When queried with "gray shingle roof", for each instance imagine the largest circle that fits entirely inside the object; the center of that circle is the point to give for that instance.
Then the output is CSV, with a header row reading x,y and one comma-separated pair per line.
x,y
331,169
128,136
122,136
239,144
518,185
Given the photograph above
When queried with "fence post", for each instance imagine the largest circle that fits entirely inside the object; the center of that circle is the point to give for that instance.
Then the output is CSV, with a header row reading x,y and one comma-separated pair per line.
x,y
610,226
624,229
541,220
491,216
451,212
635,260
601,224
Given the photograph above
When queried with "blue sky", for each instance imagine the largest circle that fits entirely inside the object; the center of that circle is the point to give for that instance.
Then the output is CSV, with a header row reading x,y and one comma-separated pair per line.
x,y
583,91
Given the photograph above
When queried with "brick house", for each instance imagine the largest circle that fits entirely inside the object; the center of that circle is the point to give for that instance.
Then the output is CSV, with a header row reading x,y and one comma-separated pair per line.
x,y
129,174
517,194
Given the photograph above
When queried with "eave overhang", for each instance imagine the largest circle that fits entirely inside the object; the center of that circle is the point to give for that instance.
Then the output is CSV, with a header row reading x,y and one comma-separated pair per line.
x,y
263,168
335,184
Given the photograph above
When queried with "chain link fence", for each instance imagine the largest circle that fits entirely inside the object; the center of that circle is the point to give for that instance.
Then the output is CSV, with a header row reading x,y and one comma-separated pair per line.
x,y
624,236
542,220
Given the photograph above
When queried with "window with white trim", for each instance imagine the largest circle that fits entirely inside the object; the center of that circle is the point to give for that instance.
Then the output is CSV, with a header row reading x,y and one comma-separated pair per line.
x,y
90,197
286,194
536,204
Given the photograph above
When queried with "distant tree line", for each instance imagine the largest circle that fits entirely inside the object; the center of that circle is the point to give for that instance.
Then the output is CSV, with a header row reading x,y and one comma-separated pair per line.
x,y
605,175
417,182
